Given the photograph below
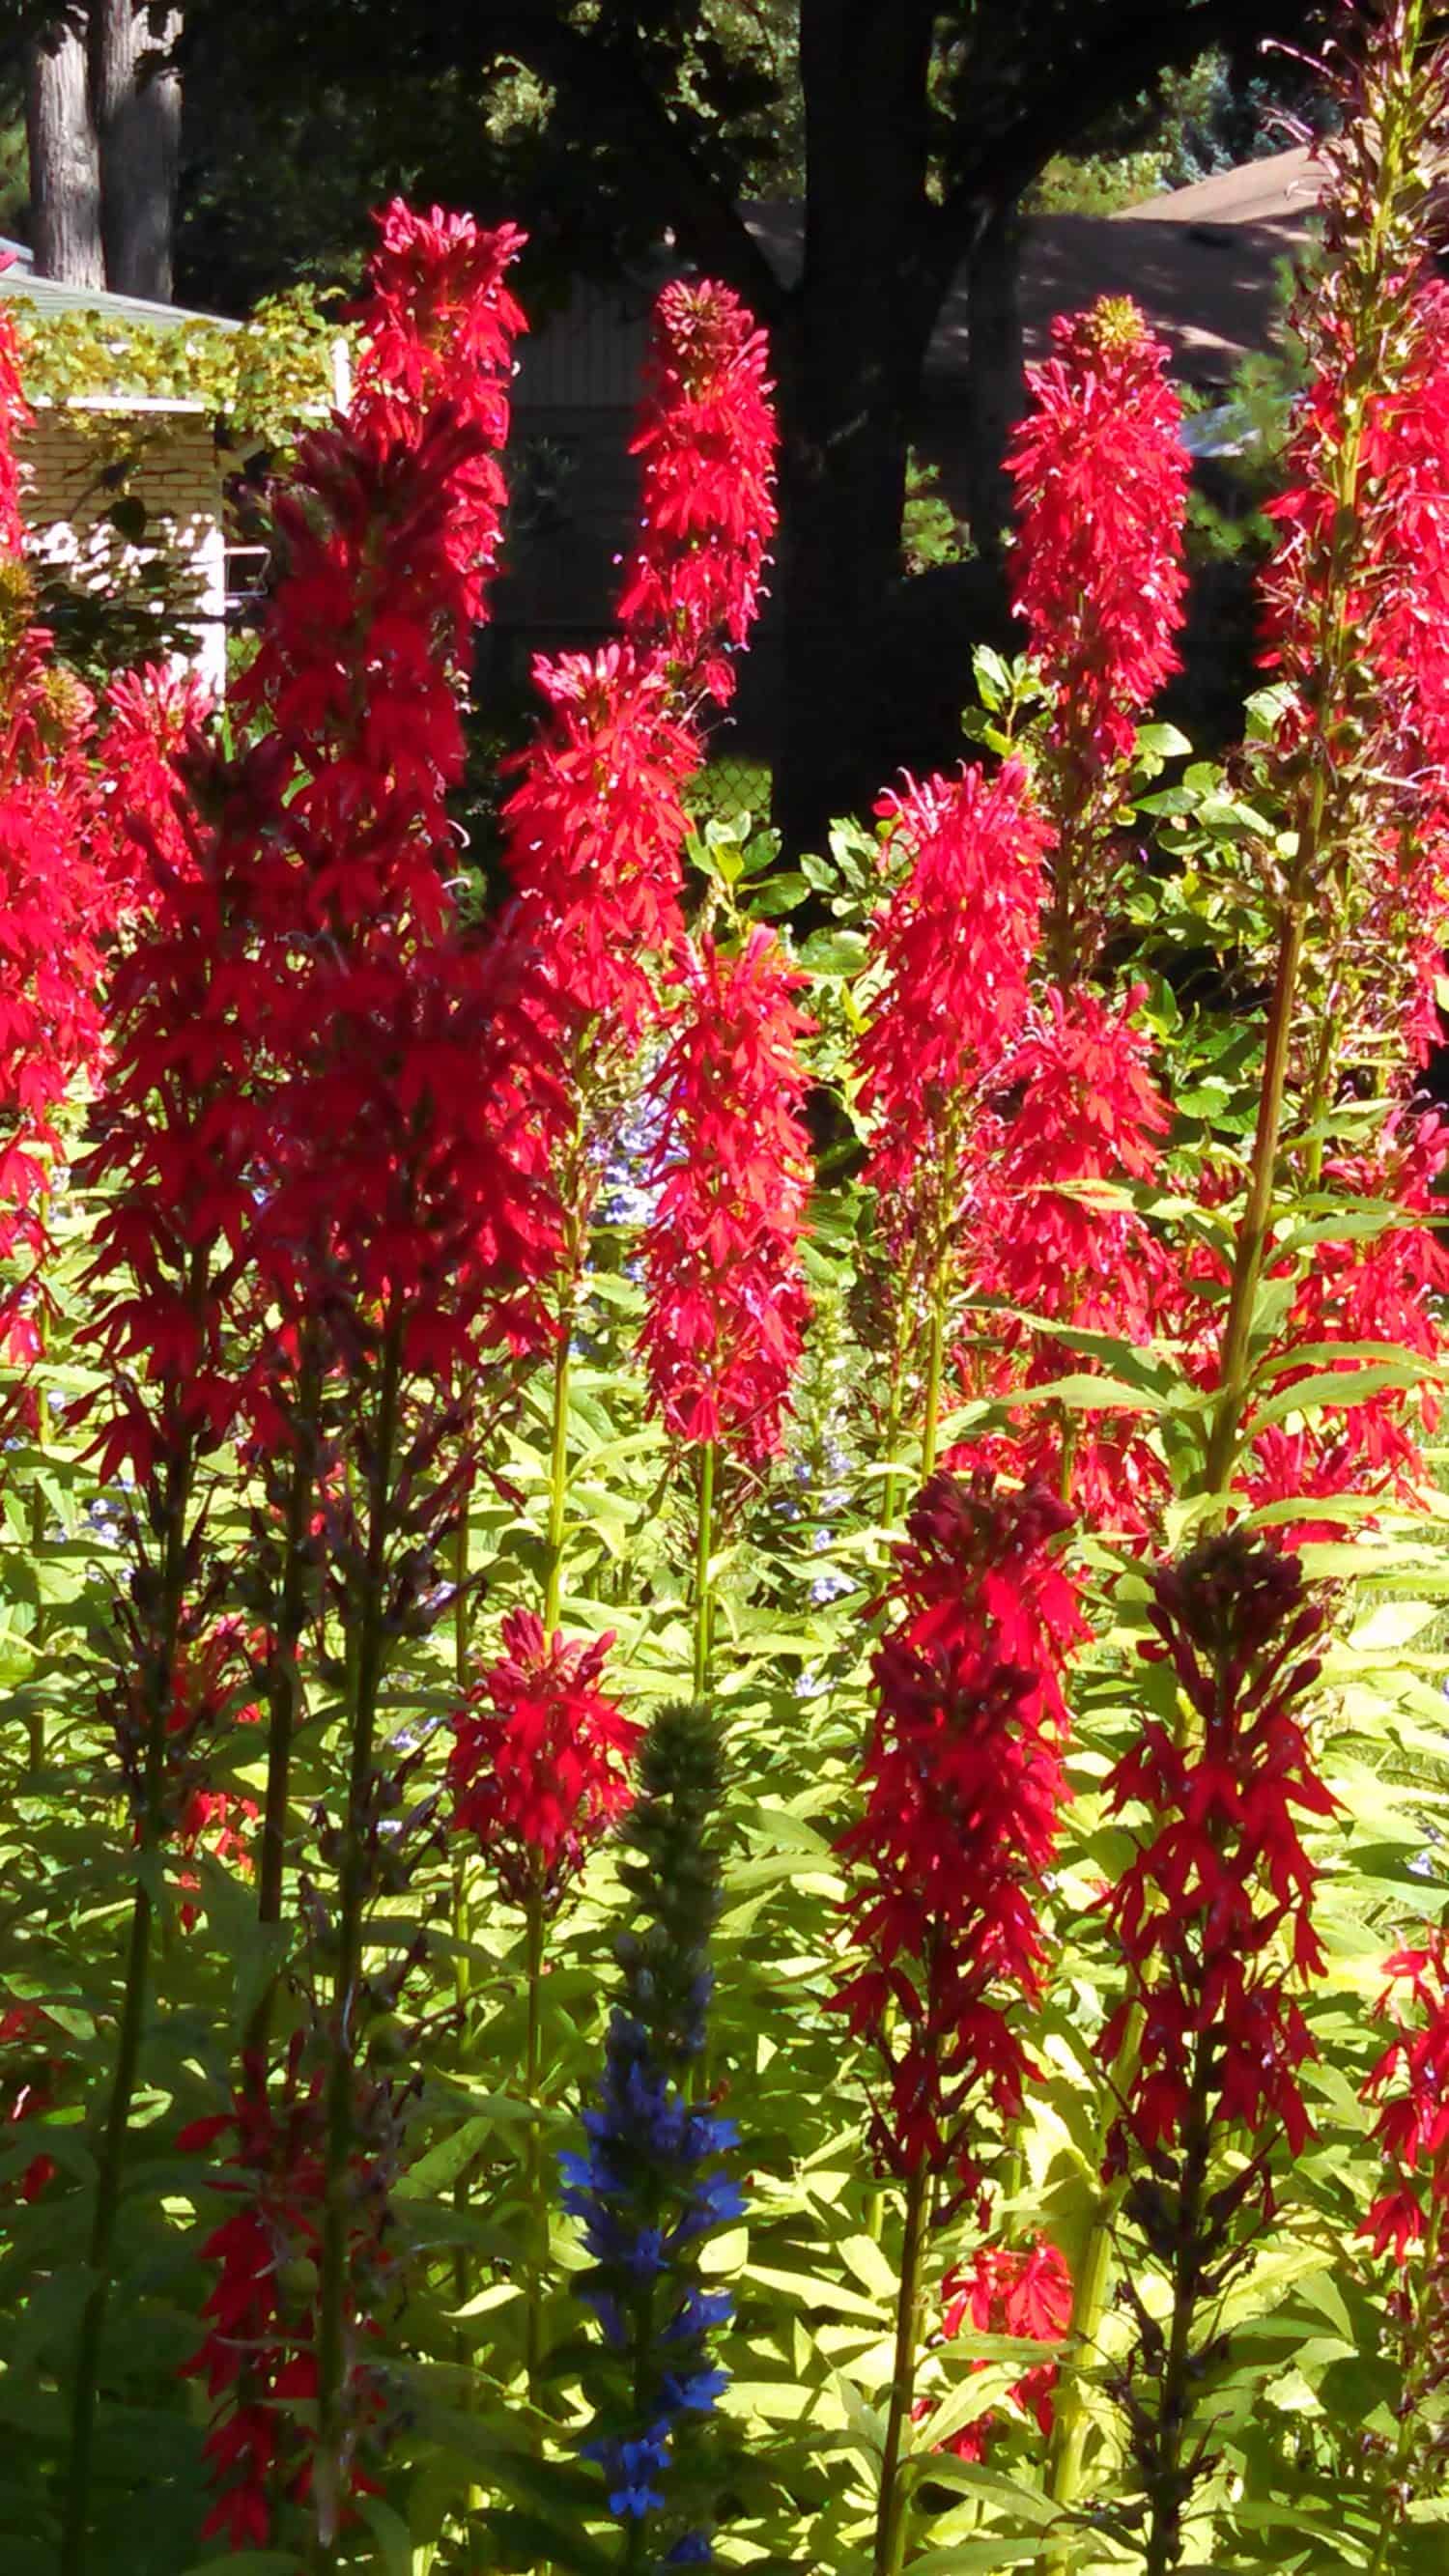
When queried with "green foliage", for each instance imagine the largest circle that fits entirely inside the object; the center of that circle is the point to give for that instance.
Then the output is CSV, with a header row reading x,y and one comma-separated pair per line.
x,y
798,1562
259,377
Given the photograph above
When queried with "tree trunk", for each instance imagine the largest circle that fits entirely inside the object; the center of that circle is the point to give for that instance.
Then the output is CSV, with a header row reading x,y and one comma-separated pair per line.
x,y
138,118
850,371
997,385
65,190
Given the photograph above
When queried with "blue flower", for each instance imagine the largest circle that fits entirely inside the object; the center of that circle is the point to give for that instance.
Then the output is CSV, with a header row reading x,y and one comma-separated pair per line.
x,y
633,2464
650,2187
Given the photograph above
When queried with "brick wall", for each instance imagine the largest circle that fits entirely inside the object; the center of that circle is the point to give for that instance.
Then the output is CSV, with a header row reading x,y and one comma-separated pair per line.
x,y
178,481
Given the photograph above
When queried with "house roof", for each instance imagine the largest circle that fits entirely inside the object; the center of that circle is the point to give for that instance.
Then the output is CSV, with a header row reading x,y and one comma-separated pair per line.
x,y
50,296
1205,263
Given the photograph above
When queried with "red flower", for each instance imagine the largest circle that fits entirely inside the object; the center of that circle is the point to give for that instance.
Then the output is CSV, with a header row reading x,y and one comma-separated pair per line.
x,y
595,835
439,326
708,442
1409,2085
27,2086
1101,480
52,907
727,1303
258,2359
153,719
540,1763
953,947
1052,1232
1213,1911
963,1776
1019,2290
1384,1287
1089,1112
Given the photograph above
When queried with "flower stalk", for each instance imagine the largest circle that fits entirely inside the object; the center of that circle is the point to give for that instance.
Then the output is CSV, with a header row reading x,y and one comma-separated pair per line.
x,y
891,2509
366,1665
159,1677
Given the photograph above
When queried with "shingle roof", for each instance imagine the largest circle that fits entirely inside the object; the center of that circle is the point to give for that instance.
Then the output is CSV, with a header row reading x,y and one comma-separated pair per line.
x,y
49,296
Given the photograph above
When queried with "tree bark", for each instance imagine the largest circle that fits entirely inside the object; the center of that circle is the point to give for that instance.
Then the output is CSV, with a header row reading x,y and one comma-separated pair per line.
x,y
65,188
137,104
996,391
850,364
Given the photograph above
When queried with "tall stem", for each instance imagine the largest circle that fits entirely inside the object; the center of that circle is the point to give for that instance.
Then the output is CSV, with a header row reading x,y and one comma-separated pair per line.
x,y
533,2155
35,1722
35,1719
1071,2421
703,1551
935,1353
1233,1364
558,1471
159,1687
284,1671
366,1667
891,2514
1320,814
1396,2471
1170,2485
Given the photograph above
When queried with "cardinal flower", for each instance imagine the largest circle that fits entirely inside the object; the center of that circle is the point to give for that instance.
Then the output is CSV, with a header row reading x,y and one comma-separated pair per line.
x,y
727,1303
952,949
595,834
1016,2290
1100,576
963,1789
1101,492
540,1763
1213,1913
707,440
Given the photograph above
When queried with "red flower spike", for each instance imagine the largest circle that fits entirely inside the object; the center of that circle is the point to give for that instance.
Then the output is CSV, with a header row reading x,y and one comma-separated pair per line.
x,y
1213,1913
1101,480
1023,2290
53,905
727,1303
707,440
1408,2085
1374,1288
539,1769
154,719
258,2358
1085,1110
438,328
595,836
964,1783
953,947
320,1085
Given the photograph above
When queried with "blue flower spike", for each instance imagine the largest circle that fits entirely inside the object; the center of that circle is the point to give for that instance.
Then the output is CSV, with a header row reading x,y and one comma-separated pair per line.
x,y
650,2188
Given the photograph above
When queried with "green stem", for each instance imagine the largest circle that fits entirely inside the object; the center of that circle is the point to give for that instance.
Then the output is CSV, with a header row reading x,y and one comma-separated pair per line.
x,y
35,1722
891,2512
462,1919
1403,2450
1317,821
935,1354
533,2151
101,2249
558,1472
1256,1221
893,1417
35,1718
1176,2396
1072,2422
366,1666
703,1550
284,1674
